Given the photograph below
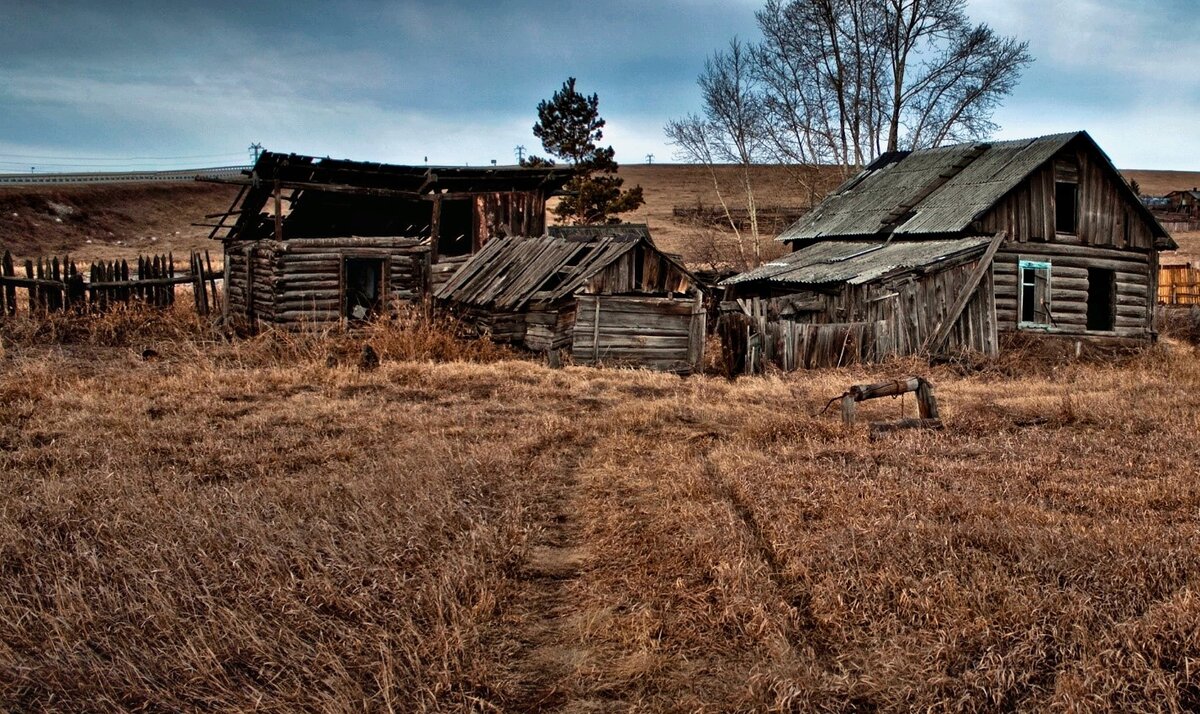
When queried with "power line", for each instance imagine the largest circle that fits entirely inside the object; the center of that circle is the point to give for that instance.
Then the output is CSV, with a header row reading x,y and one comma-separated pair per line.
x,y
120,159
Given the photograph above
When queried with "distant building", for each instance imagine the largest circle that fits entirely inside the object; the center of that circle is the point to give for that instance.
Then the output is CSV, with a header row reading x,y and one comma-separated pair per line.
x,y
1186,202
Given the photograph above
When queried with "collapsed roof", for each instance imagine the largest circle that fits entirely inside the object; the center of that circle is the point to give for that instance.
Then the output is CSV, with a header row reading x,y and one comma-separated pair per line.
x,y
357,197
510,272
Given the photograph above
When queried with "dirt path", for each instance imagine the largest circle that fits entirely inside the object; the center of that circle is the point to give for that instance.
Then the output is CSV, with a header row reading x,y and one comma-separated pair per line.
x,y
553,651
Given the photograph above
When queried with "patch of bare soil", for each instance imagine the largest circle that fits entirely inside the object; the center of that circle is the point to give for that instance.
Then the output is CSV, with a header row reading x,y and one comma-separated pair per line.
x,y
107,222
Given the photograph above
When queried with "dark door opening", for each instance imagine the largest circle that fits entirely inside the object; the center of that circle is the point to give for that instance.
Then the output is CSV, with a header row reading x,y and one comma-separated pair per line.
x,y
1101,299
456,228
363,287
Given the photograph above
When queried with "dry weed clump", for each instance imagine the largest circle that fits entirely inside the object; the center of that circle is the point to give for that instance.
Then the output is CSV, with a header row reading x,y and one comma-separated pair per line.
x,y
1180,323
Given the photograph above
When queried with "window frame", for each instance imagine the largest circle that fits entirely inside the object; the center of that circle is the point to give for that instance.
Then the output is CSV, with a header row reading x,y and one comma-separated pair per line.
x,y
1024,264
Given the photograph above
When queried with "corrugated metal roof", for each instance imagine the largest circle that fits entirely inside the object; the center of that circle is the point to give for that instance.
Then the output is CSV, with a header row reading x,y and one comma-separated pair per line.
x,y
855,262
863,206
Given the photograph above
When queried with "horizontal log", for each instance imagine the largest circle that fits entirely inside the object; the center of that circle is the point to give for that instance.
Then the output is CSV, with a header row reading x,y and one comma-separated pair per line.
x,y
412,242
1075,251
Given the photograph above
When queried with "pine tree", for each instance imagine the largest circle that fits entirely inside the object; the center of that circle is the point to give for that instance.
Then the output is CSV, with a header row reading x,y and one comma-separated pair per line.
x,y
569,126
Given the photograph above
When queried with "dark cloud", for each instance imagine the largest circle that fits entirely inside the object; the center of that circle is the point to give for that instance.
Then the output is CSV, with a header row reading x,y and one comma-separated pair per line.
x,y
458,81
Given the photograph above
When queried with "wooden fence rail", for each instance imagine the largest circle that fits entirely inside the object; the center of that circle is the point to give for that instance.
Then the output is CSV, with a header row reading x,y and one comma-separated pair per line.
x,y
54,285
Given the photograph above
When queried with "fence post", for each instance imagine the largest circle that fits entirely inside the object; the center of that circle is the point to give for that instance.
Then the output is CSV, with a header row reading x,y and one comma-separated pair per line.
x,y
10,291
171,274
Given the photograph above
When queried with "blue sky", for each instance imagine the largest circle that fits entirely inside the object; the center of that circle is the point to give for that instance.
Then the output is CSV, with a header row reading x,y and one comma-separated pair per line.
x,y
137,84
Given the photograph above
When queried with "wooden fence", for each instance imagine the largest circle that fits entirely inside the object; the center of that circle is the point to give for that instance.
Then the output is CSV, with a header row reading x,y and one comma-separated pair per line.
x,y
1178,285
58,285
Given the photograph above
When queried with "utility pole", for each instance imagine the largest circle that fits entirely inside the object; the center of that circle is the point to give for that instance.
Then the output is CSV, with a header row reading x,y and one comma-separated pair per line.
x,y
255,150
649,158
520,152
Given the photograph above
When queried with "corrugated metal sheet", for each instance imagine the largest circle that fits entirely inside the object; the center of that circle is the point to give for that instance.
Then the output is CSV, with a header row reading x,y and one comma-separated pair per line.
x,y
856,262
861,209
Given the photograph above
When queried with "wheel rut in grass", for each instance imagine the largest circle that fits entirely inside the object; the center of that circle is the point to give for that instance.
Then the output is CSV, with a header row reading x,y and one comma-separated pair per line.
x,y
552,652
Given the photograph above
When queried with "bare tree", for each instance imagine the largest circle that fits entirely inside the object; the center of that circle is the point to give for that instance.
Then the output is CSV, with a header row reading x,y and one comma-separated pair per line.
x,y
852,78
731,130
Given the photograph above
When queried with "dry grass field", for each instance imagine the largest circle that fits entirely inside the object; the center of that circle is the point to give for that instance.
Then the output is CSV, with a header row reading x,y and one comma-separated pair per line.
x,y
194,522
262,524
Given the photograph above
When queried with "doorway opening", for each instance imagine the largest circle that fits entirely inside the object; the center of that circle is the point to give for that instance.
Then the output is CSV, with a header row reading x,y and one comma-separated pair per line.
x,y
362,287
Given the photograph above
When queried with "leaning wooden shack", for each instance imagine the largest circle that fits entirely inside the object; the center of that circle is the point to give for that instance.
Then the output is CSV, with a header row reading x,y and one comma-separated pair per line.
x,y
951,249
321,241
606,294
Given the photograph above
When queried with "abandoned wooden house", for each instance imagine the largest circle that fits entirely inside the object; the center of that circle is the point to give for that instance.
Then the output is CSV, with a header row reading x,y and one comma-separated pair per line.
x,y
320,241
951,249
605,293
1185,202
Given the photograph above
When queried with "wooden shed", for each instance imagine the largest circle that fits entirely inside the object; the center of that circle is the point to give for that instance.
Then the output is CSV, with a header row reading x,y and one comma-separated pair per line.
x,y
605,293
320,241
952,248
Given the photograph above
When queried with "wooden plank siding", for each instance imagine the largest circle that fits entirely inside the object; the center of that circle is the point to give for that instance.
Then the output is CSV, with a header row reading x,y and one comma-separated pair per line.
x,y
655,332
873,321
1110,234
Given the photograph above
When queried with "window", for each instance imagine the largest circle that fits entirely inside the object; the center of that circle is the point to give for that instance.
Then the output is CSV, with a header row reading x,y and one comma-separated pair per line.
x,y
362,287
1101,299
456,228
1034,298
1066,207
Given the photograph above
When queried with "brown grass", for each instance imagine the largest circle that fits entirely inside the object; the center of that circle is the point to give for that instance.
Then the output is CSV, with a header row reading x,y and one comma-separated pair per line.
x,y
255,525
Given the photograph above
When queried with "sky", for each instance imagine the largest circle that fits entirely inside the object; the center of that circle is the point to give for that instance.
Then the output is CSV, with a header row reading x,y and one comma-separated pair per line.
x,y
142,85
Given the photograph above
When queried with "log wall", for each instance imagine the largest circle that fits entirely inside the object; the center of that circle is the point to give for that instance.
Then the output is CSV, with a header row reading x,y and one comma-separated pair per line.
x,y
1110,234
1136,284
655,332
299,282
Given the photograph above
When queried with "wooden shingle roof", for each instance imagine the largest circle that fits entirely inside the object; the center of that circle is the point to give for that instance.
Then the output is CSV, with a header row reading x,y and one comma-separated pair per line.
x,y
509,273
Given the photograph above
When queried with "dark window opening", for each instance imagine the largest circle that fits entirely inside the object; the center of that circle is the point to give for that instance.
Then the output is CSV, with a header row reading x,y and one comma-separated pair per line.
x,y
1066,207
456,228
1101,299
363,287
1035,293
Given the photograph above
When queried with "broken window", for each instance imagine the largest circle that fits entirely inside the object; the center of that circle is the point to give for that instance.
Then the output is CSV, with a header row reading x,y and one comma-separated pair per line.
x,y
1101,299
456,227
362,287
1034,297
1066,207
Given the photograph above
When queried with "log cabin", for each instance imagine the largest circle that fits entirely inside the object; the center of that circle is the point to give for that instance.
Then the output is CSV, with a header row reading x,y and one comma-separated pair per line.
x,y
319,242
606,294
956,249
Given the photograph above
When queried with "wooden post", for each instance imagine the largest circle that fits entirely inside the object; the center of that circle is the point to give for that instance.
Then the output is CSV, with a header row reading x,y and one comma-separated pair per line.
x,y
596,334
212,281
278,213
170,273
32,290
10,291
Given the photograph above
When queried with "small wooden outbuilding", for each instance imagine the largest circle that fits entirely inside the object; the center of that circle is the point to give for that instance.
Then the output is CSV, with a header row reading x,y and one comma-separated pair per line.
x,y
605,293
952,248
321,241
